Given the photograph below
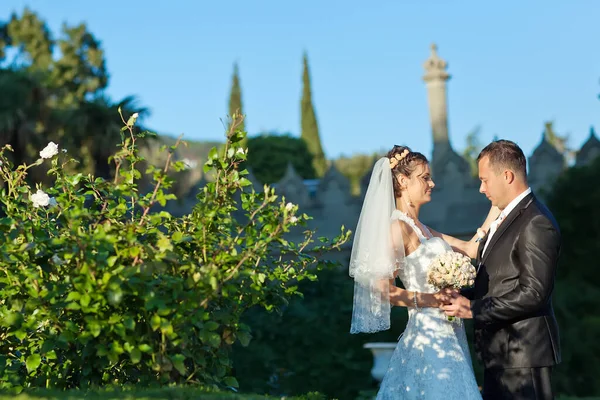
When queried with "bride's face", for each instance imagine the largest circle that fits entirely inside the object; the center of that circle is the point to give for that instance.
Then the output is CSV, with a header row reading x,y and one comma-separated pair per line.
x,y
419,184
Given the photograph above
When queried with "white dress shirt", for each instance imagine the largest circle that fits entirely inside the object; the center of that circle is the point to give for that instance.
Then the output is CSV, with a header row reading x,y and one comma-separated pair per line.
x,y
511,206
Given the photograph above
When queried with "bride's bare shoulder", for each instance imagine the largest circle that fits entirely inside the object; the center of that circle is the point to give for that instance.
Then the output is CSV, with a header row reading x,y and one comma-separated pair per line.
x,y
402,230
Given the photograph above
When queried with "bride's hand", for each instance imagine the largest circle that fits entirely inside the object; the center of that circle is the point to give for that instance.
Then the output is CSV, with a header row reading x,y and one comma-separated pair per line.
x,y
444,296
493,214
472,246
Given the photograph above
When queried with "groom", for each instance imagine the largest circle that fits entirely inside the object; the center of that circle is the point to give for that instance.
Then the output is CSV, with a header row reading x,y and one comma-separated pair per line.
x,y
516,334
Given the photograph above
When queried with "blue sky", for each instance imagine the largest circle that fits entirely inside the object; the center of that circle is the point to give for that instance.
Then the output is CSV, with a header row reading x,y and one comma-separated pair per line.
x,y
514,65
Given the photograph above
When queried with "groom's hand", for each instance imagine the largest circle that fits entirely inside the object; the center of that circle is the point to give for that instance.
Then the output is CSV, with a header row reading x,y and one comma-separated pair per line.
x,y
459,307
445,295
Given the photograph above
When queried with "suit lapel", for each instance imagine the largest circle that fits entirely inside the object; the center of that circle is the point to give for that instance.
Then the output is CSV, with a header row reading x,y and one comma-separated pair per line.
x,y
481,246
479,252
523,204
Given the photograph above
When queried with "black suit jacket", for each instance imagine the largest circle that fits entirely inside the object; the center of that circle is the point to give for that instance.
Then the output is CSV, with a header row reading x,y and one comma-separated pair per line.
x,y
511,302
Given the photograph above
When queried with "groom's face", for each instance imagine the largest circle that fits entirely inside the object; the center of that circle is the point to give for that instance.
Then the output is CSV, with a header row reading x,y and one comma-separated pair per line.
x,y
492,183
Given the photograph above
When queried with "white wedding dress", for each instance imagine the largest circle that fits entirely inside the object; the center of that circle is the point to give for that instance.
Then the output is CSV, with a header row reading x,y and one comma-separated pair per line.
x,y
432,359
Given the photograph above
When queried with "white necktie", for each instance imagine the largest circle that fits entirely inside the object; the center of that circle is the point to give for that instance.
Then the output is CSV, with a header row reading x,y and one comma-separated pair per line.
x,y
493,227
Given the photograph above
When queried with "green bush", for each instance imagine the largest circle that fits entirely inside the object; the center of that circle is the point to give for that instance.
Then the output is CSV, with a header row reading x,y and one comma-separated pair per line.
x,y
270,154
574,202
309,346
99,286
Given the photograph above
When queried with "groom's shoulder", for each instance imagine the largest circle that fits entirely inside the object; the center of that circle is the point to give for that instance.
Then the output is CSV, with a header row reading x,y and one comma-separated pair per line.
x,y
538,212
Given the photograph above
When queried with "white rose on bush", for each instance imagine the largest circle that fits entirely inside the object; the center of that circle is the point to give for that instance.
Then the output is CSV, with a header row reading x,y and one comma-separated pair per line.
x,y
40,199
49,151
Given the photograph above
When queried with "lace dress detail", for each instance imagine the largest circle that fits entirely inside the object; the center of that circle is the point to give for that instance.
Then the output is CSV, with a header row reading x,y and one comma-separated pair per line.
x,y
431,360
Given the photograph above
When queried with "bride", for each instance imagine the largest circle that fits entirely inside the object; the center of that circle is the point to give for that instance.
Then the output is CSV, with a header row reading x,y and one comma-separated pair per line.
x,y
431,359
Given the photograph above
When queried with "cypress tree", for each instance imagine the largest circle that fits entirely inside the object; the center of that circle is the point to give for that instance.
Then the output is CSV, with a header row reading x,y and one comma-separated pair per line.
x,y
235,99
309,126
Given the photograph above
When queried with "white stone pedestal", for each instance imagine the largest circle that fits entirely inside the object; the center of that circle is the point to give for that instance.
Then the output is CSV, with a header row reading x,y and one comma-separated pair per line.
x,y
382,352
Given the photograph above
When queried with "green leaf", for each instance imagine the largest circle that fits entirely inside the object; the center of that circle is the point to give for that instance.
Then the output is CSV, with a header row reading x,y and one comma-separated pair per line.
x,y
129,323
177,237
237,136
73,296
101,350
245,182
85,300
106,277
163,311
32,362
244,338
210,338
164,244
177,361
128,347
111,261
115,296
135,355
145,348
134,251
155,322
213,282
47,346
211,325
75,179
26,246
213,154
20,335
166,327
95,328
12,319
231,381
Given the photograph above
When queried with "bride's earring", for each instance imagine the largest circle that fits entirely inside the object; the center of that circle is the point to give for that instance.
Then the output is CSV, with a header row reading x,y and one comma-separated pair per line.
x,y
409,202
407,198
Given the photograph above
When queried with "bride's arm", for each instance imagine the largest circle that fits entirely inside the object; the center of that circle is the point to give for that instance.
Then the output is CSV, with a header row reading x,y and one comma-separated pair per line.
x,y
406,298
469,248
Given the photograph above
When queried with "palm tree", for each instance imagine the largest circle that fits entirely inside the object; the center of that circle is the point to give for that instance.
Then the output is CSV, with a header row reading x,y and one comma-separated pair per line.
x,y
94,127
24,115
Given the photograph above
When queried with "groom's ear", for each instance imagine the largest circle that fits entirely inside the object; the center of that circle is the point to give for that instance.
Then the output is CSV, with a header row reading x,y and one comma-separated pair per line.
x,y
509,176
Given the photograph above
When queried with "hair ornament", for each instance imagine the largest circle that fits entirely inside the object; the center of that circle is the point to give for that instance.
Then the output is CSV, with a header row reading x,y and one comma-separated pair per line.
x,y
397,158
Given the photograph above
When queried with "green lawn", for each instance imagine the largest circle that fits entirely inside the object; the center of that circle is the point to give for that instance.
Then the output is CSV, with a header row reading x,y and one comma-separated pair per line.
x,y
174,393
165,394
144,394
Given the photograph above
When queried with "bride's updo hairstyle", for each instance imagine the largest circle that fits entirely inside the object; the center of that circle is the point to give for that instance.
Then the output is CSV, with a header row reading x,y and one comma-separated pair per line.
x,y
404,161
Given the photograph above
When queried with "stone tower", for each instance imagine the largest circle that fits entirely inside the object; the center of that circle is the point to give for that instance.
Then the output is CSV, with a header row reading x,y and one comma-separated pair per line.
x,y
435,80
589,151
456,205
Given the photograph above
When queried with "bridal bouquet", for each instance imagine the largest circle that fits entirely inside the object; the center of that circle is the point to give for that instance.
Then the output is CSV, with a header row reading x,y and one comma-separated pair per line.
x,y
451,270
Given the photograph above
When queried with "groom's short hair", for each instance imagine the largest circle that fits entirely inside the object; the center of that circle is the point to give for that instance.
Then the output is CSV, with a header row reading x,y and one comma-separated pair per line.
x,y
505,154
